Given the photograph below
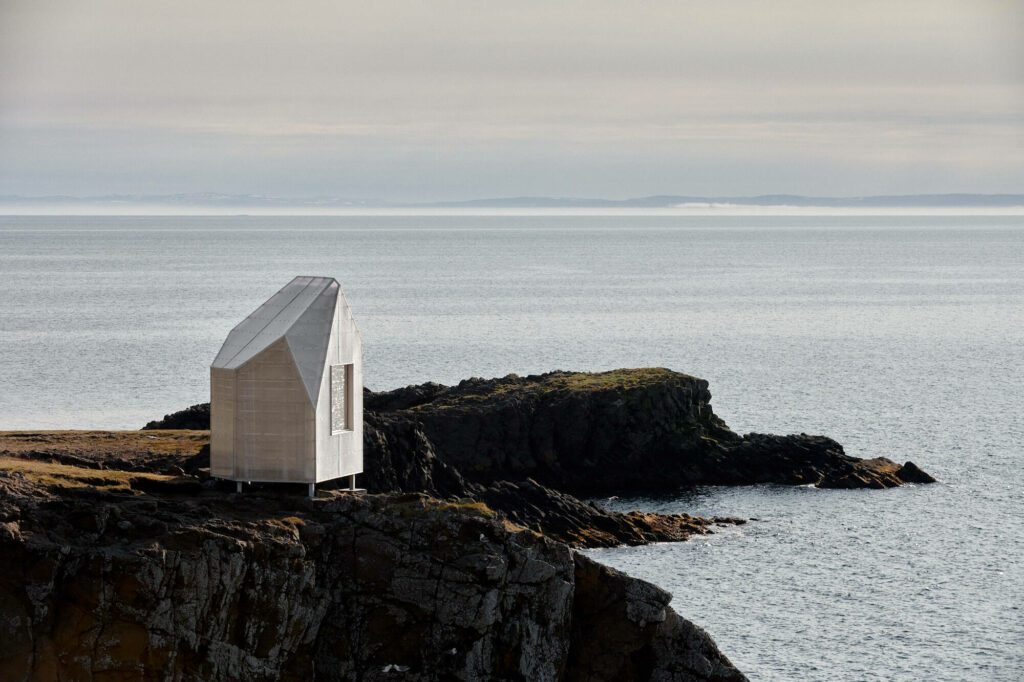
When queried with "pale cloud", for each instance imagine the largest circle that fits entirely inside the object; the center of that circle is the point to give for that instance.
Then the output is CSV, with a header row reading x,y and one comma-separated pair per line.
x,y
455,99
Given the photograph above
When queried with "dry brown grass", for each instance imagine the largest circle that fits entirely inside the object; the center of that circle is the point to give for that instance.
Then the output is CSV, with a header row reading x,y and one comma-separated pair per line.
x,y
48,473
599,381
103,443
564,382
473,508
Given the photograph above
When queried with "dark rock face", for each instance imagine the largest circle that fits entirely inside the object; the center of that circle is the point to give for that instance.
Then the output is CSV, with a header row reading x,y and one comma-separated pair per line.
x,y
100,584
646,430
626,628
911,473
588,524
398,457
194,417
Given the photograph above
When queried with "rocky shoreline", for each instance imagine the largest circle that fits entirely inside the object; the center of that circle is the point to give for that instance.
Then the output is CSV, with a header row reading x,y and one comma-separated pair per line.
x,y
121,559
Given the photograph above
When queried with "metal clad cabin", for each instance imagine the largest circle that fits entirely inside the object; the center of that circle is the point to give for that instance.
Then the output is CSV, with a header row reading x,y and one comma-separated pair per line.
x,y
286,390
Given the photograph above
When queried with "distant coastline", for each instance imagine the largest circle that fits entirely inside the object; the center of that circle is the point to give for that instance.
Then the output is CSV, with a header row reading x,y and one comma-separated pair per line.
x,y
769,204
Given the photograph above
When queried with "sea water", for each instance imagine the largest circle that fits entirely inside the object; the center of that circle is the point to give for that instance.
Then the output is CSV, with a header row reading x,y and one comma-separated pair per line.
x,y
898,336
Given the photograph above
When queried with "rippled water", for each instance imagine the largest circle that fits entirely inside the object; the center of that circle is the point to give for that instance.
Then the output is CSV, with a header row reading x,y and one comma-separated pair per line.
x,y
898,336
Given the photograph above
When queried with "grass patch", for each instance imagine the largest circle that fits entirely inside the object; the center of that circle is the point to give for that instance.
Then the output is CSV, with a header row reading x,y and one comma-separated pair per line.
x,y
419,506
472,508
425,505
516,528
85,443
599,381
48,473
477,392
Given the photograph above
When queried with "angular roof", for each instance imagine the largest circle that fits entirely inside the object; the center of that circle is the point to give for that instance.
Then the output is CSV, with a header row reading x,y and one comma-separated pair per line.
x,y
302,313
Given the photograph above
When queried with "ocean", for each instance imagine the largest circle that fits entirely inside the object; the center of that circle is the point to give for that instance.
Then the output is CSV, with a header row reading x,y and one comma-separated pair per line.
x,y
899,336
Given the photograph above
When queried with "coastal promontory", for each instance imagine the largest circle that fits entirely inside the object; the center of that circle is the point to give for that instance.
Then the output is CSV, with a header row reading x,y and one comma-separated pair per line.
x,y
121,558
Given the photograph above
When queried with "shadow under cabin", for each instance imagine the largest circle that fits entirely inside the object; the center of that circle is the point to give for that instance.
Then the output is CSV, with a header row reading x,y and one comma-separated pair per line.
x,y
286,391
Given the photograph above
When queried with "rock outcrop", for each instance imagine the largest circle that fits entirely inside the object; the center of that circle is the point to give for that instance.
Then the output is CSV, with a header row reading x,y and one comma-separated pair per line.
x,y
101,581
192,417
399,457
641,431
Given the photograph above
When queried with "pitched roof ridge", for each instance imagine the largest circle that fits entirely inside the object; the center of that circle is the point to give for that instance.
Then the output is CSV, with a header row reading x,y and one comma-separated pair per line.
x,y
259,331
321,356
301,286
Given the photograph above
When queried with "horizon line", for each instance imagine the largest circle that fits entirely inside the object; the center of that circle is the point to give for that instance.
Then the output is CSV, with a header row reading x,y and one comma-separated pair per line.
x,y
739,210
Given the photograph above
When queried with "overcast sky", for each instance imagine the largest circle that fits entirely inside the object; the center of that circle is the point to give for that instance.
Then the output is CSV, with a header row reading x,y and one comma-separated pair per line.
x,y
438,100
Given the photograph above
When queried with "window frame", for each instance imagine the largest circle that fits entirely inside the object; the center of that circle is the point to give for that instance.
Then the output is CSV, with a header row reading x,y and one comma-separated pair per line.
x,y
347,372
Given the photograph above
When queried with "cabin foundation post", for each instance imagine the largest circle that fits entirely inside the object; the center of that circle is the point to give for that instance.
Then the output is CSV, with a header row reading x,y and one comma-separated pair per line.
x,y
238,486
352,482
312,489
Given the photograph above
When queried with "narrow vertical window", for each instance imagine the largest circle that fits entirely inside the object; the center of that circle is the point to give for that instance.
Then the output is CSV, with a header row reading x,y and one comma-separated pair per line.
x,y
341,398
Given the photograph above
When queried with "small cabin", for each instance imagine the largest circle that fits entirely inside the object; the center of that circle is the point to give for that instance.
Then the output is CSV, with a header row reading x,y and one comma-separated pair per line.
x,y
286,390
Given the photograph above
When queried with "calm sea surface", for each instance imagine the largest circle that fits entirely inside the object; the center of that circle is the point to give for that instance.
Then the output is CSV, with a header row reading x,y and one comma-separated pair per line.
x,y
898,336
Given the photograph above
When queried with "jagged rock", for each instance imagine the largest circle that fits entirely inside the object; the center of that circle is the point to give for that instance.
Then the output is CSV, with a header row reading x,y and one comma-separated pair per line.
x,y
873,473
99,583
193,417
570,520
398,457
626,632
911,473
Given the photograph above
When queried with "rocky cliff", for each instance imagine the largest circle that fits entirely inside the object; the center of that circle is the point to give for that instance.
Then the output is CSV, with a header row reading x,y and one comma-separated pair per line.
x,y
114,575
640,430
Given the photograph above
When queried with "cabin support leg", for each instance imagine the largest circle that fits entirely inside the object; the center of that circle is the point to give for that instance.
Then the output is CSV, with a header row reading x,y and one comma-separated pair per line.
x,y
352,482
312,489
238,486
